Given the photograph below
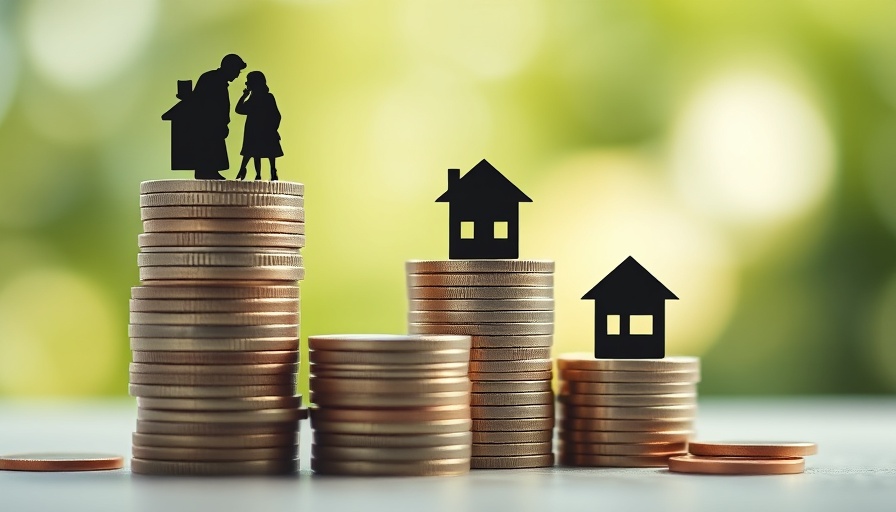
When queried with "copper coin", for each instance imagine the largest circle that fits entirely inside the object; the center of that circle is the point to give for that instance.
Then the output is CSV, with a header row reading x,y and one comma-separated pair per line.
x,y
152,391
60,462
390,358
218,259
232,274
509,354
774,449
474,266
207,319
637,377
625,425
459,366
385,374
504,399
219,199
224,226
496,329
391,453
171,379
221,404
528,436
481,305
527,365
480,292
219,442
212,293
393,441
530,341
506,376
225,186
513,425
391,386
736,465
584,436
254,416
613,461
392,428
214,369
519,462
511,386
246,467
216,429
190,239
291,213
665,412
512,412
440,467
213,331
216,358
512,449
407,415
481,279
215,306
626,388
215,345
363,400
288,452
479,317
587,361
645,449
629,400
389,342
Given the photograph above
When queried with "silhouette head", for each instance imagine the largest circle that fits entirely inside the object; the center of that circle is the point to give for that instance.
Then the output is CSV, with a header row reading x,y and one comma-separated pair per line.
x,y
231,65
256,82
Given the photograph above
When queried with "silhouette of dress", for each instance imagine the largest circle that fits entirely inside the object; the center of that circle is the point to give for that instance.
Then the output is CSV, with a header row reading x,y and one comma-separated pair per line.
x,y
210,109
260,138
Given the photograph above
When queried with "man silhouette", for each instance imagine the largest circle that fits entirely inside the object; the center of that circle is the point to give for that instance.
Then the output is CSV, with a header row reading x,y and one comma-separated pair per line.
x,y
210,105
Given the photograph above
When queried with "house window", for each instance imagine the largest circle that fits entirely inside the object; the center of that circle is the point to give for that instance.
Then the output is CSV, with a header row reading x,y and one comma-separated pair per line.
x,y
466,229
613,324
641,324
501,230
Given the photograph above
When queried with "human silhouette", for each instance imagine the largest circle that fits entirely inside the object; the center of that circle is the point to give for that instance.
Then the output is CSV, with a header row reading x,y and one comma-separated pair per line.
x,y
210,112
260,138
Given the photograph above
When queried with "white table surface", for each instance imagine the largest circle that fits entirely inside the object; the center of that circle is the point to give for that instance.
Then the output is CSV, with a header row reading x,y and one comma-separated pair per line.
x,y
855,470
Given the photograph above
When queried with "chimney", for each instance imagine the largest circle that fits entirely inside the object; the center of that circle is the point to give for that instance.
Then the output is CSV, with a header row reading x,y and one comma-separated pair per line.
x,y
184,88
453,177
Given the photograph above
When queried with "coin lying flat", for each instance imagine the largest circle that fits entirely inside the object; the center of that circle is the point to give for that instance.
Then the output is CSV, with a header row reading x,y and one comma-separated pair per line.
x,y
288,452
389,369
60,462
417,453
503,399
255,416
276,379
214,306
504,342
209,319
645,449
392,386
510,376
221,404
224,226
389,358
219,442
404,441
736,465
626,388
206,293
213,345
480,292
512,449
625,425
511,386
496,329
168,428
481,279
617,461
219,259
220,240
665,412
479,317
509,354
474,305
160,391
774,449
249,467
216,369
392,428
513,425
213,331
473,266
525,436
522,365
219,199
512,412
225,186
417,414
584,436
518,462
270,273
629,400
586,361
441,467
291,213
363,400
638,377
388,343
386,375
216,358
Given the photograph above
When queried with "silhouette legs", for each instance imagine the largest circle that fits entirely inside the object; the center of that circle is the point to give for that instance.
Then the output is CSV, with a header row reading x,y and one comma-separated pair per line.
x,y
256,161
273,169
242,174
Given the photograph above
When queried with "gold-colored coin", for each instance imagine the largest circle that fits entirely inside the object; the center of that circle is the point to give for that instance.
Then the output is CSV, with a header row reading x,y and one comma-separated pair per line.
x,y
392,428
473,305
441,467
512,412
480,292
664,412
224,186
475,266
364,400
584,436
481,279
256,416
246,467
773,449
512,449
586,361
212,293
216,358
221,404
387,387
629,400
215,454
224,249
626,388
386,375
509,354
505,376
219,442
389,358
460,366
501,342
276,379
417,453
50,462
511,386
600,425
214,306
290,213
646,449
174,391
207,429
525,461
220,240
393,441
506,399
515,329
479,317
219,199
388,342
224,226
613,461
639,377
513,425
222,273
736,465
530,436
213,331
209,319
407,415
238,345
525,365
219,259
214,369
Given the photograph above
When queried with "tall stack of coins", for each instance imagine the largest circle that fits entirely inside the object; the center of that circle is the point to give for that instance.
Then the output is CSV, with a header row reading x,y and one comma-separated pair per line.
x,y
507,306
390,405
626,412
214,328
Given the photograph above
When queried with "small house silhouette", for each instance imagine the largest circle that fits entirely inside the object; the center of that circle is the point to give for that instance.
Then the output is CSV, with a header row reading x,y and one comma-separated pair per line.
x,y
483,214
181,118
629,313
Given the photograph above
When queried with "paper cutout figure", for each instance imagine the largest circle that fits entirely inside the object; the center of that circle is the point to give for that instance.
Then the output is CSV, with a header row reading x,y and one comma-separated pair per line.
x,y
629,313
260,138
483,214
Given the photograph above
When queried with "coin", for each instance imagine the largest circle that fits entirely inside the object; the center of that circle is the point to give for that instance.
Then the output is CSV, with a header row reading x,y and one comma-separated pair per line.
x,y
187,239
736,465
172,391
223,226
509,354
379,374
623,388
646,449
389,369
479,317
615,461
390,358
512,449
530,436
773,449
407,415
276,379
226,186
237,345
207,293
291,213
214,454
208,319
391,400
586,361
216,358
219,199
215,429
417,453
220,442
625,425
213,331
214,369
440,467
629,400
388,342
211,249
480,292
488,376
584,436
499,342
664,412
473,305
386,441
473,266
218,259
221,404
392,428
512,412
481,279
518,462
511,386
502,399
391,386
523,365
639,377
60,462
513,425
254,416
512,329
246,467
223,273
214,306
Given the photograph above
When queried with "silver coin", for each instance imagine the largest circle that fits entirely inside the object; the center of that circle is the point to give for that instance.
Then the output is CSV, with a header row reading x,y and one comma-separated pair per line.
x,y
216,357
219,259
235,345
405,358
188,239
226,186
481,279
505,399
216,292
213,331
480,292
214,306
290,213
479,317
284,273
229,249
421,305
219,199
474,266
215,319
496,329
525,341
523,365
510,354
389,342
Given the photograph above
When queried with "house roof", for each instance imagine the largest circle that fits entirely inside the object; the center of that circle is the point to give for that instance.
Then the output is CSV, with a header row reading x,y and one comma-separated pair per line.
x,y
483,182
629,282
174,112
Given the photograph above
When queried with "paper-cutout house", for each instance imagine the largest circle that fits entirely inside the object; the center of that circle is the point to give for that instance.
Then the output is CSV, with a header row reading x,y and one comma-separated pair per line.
x,y
483,214
629,313
181,118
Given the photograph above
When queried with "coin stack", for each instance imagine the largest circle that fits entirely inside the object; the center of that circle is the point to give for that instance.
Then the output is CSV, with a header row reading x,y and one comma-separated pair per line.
x,y
507,306
626,412
390,405
214,328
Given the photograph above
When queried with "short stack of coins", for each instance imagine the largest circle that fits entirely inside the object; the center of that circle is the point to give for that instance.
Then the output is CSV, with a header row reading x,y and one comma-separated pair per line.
x,y
507,306
626,412
390,405
214,328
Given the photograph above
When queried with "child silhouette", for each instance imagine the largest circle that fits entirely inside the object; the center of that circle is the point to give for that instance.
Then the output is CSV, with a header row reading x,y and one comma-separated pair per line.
x,y
260,138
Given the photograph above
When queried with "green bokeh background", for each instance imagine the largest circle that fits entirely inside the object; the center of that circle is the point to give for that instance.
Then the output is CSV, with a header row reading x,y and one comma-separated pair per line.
x,y
745,152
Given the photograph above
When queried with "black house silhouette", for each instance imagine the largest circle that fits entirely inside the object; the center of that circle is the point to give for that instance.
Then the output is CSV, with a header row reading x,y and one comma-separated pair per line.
x,y
629,313
483,214
181,128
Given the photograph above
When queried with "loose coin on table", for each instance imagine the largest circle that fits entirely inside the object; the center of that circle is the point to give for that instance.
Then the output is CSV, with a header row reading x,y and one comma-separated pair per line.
x,y
736,465
60,462
774,449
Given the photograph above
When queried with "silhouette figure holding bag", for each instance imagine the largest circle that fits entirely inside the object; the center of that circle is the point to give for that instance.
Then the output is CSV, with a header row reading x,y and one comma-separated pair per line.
x,y
260,138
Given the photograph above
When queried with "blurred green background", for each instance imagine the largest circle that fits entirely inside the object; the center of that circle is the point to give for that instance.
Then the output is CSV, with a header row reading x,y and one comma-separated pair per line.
x,y
744,152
